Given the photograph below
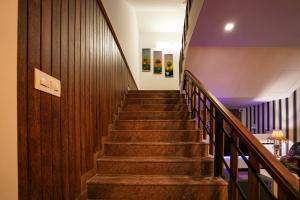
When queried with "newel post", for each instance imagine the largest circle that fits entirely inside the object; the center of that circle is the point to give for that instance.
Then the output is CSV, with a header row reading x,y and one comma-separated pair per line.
x,y
219,143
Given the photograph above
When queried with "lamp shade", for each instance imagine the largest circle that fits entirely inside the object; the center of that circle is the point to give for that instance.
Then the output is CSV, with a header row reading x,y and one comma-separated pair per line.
x,y
277,135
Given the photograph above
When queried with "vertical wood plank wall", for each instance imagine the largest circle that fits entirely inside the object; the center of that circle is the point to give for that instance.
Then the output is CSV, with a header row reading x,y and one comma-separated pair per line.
x,y
58,138
277,114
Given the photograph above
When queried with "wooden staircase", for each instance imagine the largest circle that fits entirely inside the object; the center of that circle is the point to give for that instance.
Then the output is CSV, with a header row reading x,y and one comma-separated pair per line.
x,y
154,152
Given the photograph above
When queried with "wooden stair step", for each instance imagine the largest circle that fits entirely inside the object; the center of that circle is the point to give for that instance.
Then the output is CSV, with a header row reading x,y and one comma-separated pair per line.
x,y
156,187
153,91
157,115
154,124
186,149
155,101
154,135
200,167
154,95
154,151
155,107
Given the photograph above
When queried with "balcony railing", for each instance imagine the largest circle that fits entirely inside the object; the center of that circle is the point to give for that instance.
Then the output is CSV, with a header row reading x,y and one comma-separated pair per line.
x,y
217,124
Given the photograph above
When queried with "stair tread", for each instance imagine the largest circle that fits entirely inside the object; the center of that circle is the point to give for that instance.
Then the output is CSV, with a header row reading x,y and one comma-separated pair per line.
x,y
179,111
155,143
154,159
155,120
155,131
155,180
155,98
164,104
153,91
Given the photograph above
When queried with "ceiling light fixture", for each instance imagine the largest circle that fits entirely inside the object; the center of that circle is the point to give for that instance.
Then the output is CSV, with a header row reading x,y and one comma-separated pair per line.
x,y
229,27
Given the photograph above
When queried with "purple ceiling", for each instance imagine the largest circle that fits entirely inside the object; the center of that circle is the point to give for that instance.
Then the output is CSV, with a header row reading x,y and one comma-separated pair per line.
x,y
260,23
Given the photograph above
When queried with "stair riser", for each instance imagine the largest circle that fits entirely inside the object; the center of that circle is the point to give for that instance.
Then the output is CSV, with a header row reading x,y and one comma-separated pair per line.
x,y
155,125
154,115
155,101
154,95
157,192
158,136
153,91
197,168
187,150
153,107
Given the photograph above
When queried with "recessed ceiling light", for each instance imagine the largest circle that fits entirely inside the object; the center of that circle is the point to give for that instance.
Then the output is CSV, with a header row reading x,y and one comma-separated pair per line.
x,y
229,27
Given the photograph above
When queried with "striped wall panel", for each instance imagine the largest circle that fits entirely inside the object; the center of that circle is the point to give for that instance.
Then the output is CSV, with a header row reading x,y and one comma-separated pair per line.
x,y
277,114
297,115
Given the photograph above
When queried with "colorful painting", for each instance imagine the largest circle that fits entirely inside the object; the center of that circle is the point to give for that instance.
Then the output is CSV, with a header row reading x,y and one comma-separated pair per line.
x,y
169,66
146,59
157,57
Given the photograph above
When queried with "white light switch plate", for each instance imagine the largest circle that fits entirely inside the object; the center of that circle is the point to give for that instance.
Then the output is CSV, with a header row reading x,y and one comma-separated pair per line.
x,y
46,83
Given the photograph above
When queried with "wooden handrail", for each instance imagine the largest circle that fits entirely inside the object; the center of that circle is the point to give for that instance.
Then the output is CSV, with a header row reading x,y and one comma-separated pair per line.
x,y
116,40
287,183
188,7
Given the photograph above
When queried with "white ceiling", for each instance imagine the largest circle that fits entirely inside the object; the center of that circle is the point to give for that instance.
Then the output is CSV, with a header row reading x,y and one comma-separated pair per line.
x,y
258,61
243,75
156,5
159,15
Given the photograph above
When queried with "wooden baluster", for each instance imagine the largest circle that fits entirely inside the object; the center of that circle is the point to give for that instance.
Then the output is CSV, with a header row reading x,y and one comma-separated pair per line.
x,y
253,184
193,100
219,145
211,129
222,137
187,89
234,167
204,117
184,82
199,114
189,93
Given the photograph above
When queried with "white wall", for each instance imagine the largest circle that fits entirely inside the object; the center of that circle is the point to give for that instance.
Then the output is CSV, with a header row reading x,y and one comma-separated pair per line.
x,y
124,21
8,100
150,81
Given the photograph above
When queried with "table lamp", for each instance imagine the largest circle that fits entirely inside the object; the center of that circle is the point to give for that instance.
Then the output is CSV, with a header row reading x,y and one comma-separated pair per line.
x,y
277,136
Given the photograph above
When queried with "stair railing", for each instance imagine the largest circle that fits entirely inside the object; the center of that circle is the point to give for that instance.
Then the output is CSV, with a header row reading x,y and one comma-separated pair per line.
x,y
188,8
217,122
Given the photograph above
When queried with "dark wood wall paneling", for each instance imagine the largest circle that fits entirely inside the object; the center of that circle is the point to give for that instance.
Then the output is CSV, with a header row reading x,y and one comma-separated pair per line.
x,y
295,117
247,121
258,118
272,116
287,124
268,116
280,114
274,111
263,116
58,138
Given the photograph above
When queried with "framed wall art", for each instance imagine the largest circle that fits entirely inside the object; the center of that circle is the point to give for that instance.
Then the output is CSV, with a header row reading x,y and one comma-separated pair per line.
x,y
169,66
157,62
146,59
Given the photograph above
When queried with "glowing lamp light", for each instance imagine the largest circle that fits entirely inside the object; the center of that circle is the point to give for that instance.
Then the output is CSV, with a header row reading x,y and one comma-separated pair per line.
x,y
229,27
277,136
